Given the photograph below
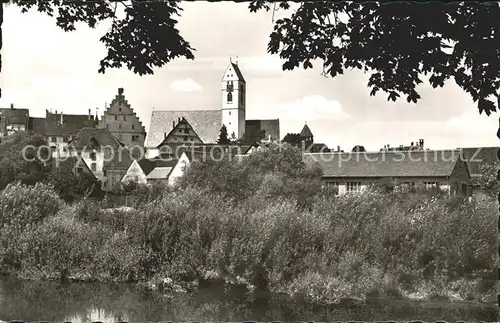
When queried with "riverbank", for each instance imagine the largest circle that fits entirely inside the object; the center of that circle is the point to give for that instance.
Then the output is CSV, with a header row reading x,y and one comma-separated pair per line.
x,y
33,301
355,247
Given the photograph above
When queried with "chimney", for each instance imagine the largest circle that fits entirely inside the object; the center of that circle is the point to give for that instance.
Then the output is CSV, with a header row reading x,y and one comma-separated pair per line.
x,y
120,91
179,120
388,147
338,148
164,135
62,117
173,124
269,137
411,144
12,105
421,142
90,118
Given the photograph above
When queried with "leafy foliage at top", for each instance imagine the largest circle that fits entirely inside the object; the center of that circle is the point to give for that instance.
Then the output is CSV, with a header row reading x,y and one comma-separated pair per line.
x,y
146,37
396,43
487,182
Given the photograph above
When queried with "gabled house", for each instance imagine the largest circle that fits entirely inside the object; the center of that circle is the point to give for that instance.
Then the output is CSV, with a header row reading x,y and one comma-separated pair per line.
x,y
60,128
12,120
149,171
122,121
106,156
180,167
354,172
73,165
182,132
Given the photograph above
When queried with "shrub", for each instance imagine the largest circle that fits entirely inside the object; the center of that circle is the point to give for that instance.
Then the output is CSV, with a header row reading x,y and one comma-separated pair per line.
x,y
23,208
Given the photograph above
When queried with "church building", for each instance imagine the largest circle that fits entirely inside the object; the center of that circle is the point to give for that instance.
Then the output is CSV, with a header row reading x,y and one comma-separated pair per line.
x,y
203,126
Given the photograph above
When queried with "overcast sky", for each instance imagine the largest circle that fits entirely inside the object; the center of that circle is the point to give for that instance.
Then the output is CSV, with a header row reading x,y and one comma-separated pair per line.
x,y
46,68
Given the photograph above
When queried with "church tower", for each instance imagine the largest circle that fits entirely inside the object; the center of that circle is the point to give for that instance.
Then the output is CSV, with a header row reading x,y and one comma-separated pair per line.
x,y
233,101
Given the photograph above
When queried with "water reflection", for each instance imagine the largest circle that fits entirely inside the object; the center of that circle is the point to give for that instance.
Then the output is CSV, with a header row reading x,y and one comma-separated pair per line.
x,y
80,302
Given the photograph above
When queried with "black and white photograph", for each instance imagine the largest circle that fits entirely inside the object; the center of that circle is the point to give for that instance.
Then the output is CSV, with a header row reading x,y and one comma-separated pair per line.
x,y
249,161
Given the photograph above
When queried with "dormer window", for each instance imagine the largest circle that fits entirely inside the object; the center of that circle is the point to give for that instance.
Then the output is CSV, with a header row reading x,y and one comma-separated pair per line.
x,y
94,142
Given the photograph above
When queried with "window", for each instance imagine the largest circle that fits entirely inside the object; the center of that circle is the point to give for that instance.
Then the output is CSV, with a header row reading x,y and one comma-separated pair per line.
x,y
430,185
65,139
133,127
353,187
79,170
229,97
136,178
186,130
135,138
125,118
93,167
229,112
120,109
332,187
92,156
53,139
119,126
116,117
185,138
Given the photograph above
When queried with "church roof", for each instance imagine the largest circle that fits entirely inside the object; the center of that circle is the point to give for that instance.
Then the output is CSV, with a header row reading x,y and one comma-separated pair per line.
x,y
306,132
206,124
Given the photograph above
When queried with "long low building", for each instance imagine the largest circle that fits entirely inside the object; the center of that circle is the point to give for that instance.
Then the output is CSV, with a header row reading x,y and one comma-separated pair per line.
x,y
354,172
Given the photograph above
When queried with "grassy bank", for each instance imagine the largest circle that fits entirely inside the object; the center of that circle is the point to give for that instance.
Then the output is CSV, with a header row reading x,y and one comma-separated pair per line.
x,y
265,226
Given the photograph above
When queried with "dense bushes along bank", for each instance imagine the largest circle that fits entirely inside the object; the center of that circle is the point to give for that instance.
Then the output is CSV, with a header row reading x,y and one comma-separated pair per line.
x,y
263,223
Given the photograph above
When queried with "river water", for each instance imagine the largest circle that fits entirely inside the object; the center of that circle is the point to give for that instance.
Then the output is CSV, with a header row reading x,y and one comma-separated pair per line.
x,y
87,302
